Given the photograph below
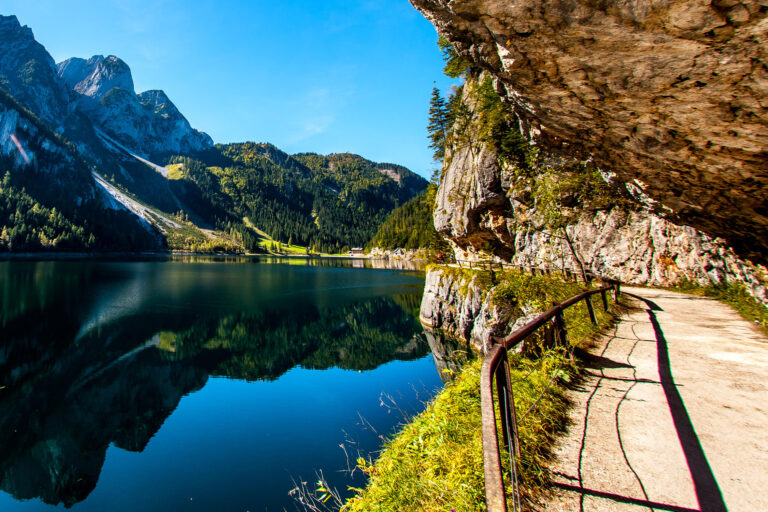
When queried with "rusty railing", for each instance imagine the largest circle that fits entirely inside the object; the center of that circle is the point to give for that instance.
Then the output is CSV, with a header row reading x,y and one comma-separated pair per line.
x,y
496,371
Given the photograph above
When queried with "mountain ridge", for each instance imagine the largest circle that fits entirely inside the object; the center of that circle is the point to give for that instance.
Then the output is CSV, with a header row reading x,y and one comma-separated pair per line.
x,y
148,122
141,154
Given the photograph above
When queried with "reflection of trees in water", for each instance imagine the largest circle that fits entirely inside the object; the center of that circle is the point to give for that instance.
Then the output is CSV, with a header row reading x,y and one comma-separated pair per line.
x,y
65,401
410,302
449,353
264,345
22,291
376,263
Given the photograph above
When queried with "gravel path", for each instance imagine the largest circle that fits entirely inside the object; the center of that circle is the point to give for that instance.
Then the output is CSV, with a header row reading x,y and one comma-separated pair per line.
x,y
673,415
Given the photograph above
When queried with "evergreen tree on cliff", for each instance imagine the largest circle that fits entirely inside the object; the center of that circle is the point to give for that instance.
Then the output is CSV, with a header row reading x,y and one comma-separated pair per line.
x,y
438,123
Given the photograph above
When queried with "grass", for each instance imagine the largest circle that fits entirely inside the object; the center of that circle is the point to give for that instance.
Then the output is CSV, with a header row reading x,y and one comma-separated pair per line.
x,y
432,464
175,171
189,237
435,463
735,295
272,246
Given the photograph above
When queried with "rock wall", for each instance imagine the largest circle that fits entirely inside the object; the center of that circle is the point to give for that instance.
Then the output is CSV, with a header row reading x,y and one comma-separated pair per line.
x,y
480,209
642,248
460,305
670,95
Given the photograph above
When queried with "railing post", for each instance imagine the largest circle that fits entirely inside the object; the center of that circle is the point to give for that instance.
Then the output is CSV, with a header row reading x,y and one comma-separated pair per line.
x,y
549,335
496,365
604,296
591,309
562,333
506,401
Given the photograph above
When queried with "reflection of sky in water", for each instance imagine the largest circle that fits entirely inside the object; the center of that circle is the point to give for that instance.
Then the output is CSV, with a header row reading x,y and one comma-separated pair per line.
x,y
235,445
225,443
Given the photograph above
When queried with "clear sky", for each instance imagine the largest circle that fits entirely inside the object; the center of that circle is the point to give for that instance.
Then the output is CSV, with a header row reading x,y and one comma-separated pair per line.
x,y
322,76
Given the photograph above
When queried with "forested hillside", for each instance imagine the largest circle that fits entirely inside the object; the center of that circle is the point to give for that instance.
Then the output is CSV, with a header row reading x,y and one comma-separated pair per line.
x,y
327,203
81,151
47,197
410,226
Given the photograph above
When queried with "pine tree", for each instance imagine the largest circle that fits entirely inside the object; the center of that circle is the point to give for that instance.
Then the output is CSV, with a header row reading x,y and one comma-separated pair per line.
x,y
438,123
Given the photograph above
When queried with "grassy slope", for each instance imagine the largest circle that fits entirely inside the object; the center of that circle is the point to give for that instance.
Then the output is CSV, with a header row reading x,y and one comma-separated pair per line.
x,y
192,236
267,243
435,462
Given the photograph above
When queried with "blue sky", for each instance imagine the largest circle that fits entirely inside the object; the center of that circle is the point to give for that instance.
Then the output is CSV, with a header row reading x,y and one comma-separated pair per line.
x,y
328,76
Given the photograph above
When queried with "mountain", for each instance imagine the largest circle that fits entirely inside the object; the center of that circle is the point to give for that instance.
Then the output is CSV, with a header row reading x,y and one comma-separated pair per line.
x,y
91,179
48,198
325,203
411,226
78,95
147,123
29,73
347,166
96,76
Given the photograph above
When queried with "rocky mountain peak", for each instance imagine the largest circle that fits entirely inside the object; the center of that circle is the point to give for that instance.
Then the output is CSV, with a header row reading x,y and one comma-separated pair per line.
x,y
28,72
10,25
96,76
75,69
159,103
147,123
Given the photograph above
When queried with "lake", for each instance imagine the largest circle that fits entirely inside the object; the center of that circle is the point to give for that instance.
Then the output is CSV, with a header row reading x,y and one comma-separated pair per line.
x,y
197,384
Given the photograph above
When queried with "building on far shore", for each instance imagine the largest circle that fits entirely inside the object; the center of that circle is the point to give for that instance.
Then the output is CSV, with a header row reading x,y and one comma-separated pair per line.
x,y
356,251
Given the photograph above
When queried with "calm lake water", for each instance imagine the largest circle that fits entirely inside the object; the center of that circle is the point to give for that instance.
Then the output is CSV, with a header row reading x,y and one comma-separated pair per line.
x,y
198,385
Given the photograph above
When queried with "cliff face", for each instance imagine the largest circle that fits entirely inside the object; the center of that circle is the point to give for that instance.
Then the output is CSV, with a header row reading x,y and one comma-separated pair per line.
x,y
669,95
29,73
473,307
468,307
461,306
485,206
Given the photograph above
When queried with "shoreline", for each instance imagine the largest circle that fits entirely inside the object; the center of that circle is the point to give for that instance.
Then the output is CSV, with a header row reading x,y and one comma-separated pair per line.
x,y
155,255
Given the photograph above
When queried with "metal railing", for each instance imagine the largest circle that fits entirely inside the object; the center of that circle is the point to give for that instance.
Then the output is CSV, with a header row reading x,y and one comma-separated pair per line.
x,y
496,370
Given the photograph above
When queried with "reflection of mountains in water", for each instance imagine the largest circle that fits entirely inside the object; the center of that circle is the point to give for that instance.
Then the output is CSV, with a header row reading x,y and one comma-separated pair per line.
x,y
67,396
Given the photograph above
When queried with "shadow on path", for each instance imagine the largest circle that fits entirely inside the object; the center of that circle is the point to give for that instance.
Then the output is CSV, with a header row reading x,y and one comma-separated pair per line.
x,y
707,490
624,499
